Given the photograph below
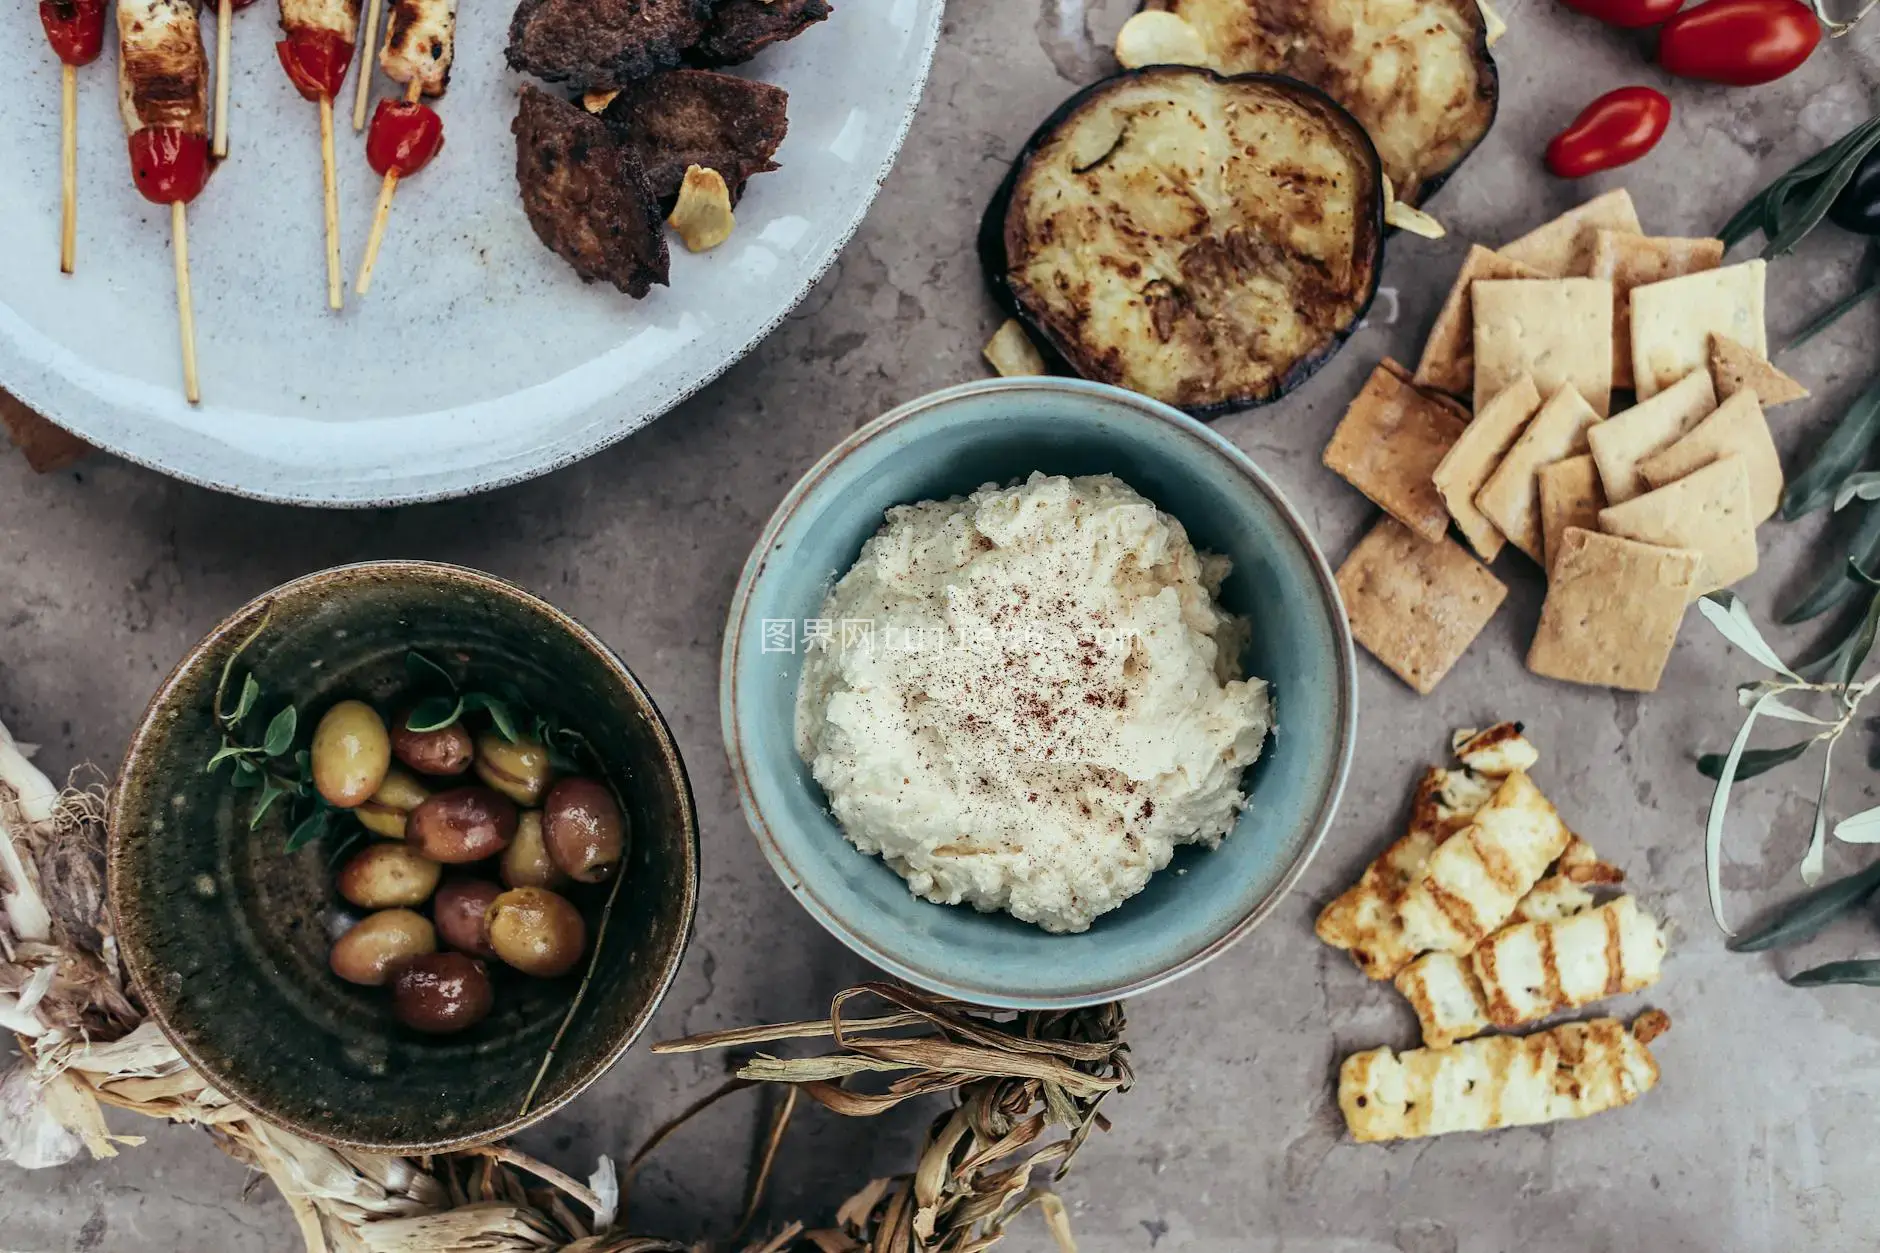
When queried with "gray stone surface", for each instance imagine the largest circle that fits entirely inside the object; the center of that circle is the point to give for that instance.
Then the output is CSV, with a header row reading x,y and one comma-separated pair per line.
x,y
1761,1136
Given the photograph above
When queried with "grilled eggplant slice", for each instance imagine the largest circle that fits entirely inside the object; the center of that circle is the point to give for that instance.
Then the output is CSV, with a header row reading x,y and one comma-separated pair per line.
x,y
1207,241
1416,73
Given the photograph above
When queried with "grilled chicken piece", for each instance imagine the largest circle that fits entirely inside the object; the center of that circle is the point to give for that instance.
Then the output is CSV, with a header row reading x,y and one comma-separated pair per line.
x,y
341,17
740,29
420,38
601,45
586,196
163,71
684,118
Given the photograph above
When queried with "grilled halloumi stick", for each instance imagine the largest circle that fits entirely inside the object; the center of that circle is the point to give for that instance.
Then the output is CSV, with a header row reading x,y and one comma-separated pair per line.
x,y
163,71
1498,752
341,17
419,41
1472,882
1563,892
1573,1071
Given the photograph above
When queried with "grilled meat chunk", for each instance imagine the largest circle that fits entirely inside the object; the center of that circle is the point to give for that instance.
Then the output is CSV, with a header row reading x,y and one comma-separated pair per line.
x,y
586,196
683,118
599,45
740,29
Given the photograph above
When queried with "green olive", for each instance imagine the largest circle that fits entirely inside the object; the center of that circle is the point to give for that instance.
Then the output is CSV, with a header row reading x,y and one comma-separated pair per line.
x,y
386,875
351,753
442,992
370,951
462,825
384,814
536,931
526,863
518,770
443,752
584,829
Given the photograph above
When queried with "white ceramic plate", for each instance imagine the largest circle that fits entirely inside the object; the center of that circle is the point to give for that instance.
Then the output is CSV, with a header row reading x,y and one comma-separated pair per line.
x,y
479,358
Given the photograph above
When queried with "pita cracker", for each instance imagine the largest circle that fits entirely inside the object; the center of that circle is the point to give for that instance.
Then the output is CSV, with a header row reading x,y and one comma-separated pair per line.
x,y
1389,444
1512,496
1612,611
1476,453
1570,496
1706,511
1448,362
1563,248
1416,606
1635,260
1737,427
1558,330
1627,438
1735,368
1672,322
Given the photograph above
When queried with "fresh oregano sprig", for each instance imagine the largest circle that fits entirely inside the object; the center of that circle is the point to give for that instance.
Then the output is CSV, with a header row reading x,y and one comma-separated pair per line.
x,y
508,713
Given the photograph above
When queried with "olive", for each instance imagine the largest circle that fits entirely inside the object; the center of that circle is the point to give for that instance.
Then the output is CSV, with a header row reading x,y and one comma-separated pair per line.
x,y
585,831
443,752
385,875
519,769
462,825
367,953
536,931
526,863
385,813
351,753
441,992
1857,207
459,909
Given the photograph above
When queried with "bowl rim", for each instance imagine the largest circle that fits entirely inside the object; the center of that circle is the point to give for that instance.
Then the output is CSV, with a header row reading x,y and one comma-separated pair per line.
x,y
1138,407
244,1094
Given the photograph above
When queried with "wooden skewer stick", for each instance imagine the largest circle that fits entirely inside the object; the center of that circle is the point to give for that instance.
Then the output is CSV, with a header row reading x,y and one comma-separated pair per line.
x,y
185,312
68,170
335,285
224,15
362,94
387,190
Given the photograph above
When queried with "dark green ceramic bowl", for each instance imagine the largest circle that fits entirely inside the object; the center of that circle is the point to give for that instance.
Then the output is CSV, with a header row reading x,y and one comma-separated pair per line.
x,y
225,934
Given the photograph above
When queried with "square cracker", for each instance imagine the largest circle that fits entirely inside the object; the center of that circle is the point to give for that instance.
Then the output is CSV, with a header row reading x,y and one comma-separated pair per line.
x,y
1558,330
1627,438
1481,447
1389,444
1737,427
1735,367
1570,496
1448,362
1563,248
1635,260
1672,322
1416,606
1707,511
1612,611
1512,496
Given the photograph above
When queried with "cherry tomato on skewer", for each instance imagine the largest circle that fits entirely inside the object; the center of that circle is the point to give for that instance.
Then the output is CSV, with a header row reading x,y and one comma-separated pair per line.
x,y
74,28
1616,129
169,164
1739,42
1626,14
316,61
405,136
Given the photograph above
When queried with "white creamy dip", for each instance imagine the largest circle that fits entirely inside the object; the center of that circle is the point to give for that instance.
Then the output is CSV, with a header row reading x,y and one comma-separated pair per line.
x,y
1026,698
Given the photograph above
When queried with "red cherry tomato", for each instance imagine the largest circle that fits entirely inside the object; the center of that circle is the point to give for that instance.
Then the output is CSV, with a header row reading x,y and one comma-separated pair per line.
x,y
1739,42
1626,14
169,164
316,61
1619,127
405,136
75,28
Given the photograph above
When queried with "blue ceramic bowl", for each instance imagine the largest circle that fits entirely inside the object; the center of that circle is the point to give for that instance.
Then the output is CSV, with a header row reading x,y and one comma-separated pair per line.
x,y
947,444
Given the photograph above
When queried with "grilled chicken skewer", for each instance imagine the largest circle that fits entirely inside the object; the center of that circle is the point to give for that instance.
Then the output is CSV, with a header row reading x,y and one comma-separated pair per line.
x,y
75,29
318,50
163,92
407,133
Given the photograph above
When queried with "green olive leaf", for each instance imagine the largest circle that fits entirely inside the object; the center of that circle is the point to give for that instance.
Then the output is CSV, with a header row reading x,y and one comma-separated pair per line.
x,y
1834,586
1834,313
270,792
434,713
505,723
1755,761
1844,451
1813,203
1809,913
280,736
1866,973
1848,653
423,669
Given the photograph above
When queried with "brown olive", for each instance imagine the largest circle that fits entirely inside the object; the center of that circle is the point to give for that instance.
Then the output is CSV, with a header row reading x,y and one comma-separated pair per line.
x,y
536,931
385,875
441,992
526,863
368,952
518,770
351,753
444,752
585,831
459,910
385,813
462,825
